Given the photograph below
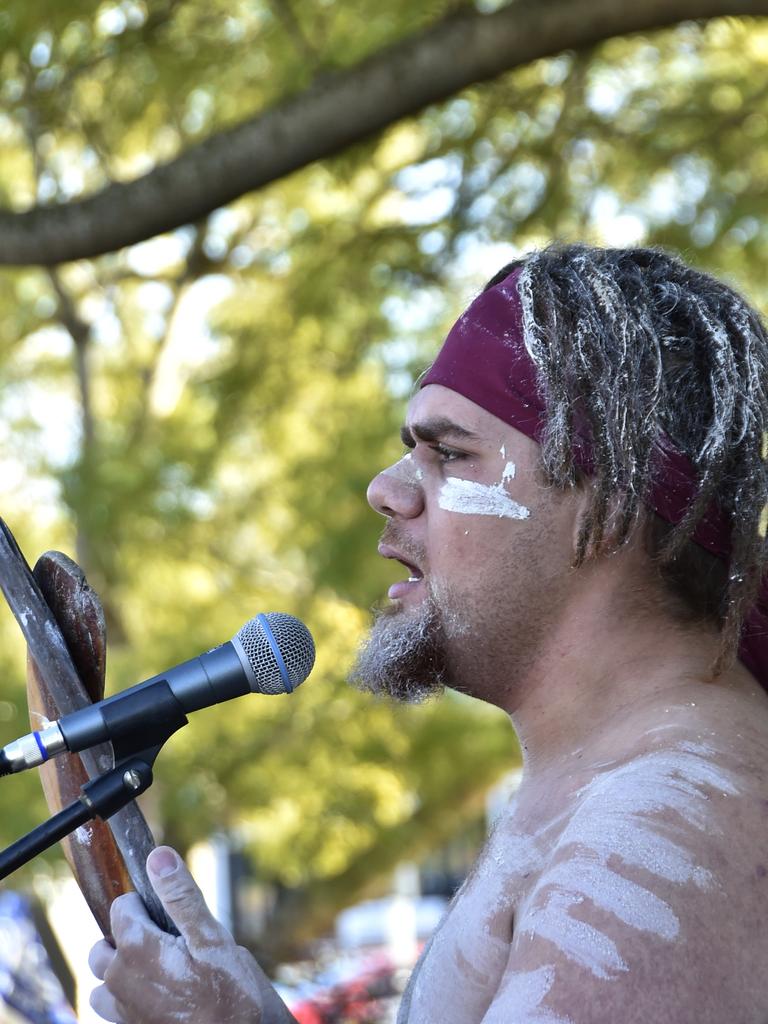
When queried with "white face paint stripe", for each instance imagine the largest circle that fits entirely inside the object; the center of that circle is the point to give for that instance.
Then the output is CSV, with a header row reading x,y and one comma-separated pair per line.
x,y
508,472
468,497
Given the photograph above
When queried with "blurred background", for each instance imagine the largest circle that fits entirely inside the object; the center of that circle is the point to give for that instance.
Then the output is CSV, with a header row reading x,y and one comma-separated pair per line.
x,y
194,417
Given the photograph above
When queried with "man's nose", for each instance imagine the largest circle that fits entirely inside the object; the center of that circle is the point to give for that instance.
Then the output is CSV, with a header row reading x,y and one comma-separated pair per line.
x,y
396,492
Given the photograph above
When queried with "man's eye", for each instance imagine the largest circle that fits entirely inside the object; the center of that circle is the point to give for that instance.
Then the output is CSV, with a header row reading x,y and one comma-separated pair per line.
x,y
446,454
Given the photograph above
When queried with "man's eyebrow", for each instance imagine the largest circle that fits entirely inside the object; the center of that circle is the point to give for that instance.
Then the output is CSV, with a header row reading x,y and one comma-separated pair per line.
x,y
436,428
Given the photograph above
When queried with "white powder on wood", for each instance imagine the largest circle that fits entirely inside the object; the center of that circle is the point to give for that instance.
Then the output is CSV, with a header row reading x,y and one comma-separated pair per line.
x,y
83,835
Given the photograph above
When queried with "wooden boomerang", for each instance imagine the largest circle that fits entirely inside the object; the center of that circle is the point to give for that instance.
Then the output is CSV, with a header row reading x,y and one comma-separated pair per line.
x,y
63,623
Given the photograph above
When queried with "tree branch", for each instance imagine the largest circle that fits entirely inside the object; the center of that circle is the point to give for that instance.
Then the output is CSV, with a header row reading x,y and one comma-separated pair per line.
x,y
334,113
80,333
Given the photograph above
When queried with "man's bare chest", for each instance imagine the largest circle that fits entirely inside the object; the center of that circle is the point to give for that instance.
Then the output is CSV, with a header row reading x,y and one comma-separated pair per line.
x,y
461,968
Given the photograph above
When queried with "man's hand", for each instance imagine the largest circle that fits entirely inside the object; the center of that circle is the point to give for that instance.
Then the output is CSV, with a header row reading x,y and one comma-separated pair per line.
x,y
199,977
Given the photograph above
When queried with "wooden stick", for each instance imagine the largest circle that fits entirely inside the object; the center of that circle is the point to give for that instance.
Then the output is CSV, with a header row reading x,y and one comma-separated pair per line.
x,y
66,607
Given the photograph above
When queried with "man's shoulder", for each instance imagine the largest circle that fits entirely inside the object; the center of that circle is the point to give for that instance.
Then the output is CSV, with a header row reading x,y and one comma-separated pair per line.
x,y
698,767
679,825
657,881
708,723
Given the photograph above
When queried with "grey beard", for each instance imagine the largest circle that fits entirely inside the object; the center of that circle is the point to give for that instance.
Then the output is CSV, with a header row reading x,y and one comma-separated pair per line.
x,y
403,657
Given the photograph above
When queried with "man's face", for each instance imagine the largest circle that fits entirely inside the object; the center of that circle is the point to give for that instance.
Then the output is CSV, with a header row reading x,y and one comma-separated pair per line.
x,y
485,544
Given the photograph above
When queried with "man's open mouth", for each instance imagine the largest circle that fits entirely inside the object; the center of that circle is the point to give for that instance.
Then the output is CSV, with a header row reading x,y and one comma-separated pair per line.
x,y
407,586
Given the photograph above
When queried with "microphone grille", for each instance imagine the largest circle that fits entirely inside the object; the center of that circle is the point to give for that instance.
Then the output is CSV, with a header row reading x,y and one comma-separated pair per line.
x,y
294,642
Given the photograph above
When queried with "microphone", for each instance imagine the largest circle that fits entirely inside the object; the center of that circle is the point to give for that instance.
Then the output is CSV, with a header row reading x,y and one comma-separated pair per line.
x,y
272,653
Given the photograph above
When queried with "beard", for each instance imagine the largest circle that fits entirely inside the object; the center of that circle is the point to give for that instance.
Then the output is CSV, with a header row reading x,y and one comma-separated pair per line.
x,y
405,656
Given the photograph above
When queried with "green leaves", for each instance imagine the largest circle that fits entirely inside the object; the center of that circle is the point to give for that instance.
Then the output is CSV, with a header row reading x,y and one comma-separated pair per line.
x,y
246,376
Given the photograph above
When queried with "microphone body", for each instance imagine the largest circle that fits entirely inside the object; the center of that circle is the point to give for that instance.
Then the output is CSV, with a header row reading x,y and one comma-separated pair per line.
x,y
208,679
271,654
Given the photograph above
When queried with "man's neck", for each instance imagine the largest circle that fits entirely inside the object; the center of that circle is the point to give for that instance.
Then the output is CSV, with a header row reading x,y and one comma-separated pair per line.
x,y
599,671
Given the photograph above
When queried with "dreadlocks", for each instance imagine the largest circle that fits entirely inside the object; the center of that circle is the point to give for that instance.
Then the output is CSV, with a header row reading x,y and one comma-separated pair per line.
x,y
633,341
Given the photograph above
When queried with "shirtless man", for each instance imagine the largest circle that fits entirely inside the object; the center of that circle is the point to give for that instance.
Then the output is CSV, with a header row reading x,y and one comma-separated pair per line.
x,y
573,415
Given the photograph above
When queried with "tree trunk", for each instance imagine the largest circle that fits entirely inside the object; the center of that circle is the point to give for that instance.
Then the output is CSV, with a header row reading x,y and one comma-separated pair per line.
x,y
335,112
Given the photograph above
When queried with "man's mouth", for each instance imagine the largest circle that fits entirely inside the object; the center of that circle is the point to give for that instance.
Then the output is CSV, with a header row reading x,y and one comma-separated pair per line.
x,y
403,587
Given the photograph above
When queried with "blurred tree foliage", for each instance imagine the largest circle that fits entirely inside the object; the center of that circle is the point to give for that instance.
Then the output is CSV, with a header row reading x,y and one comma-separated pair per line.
x,y
196,418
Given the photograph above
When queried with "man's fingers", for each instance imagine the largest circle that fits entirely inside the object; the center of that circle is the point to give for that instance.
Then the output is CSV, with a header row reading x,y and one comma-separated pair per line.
x,y
182,898
131,924
100,957
105,1004
155,978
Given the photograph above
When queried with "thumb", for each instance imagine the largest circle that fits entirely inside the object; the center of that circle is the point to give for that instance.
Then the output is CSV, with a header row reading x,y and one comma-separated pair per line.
x,y
180,895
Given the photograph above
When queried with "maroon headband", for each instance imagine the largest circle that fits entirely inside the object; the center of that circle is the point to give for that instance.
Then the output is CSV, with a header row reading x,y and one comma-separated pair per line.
x,y
485,359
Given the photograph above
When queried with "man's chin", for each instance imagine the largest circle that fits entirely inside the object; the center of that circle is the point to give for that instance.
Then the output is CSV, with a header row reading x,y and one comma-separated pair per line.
x,y
404,655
